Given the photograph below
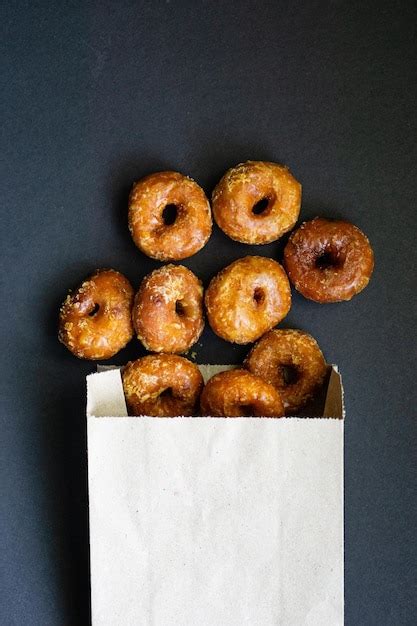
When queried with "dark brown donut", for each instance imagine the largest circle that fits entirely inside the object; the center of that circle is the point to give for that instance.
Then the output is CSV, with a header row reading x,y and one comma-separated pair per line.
x,y
328,260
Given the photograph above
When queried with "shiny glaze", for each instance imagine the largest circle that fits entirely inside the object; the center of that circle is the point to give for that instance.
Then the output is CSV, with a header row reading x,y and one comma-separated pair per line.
x,y
247,298
192,227
350,260
95,320
280,348
168,309
238,393
162,385
235,198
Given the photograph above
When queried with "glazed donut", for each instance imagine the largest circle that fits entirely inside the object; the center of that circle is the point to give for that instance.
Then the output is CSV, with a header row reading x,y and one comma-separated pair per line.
x,y
328,260
256,202
169,216
95,320
247,298
292,362
162,385
168,309
238,393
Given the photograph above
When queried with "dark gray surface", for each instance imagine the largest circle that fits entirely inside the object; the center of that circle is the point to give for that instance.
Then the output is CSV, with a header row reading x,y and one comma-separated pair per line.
x,y
97,96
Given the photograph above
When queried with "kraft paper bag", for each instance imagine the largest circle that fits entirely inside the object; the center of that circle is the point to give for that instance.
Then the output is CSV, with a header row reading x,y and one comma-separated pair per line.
x,y
212,521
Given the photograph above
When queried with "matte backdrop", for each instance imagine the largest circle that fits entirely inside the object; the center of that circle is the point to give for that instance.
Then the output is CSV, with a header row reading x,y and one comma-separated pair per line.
x,y
98,94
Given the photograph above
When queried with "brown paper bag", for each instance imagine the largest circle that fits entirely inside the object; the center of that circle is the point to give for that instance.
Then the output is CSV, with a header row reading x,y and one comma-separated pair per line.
x,y
214,522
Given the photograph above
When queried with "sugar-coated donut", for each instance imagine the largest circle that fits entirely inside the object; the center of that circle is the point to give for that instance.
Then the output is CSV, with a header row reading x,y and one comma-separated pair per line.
x,y
162,385
238,393
169,216
328,260
247,298
292,362
95,320
168,309
256,202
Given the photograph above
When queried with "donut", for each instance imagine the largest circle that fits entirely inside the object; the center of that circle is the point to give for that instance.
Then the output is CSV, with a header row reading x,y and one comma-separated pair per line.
x,y
168,309
162,385
256,202
292,362
247,298
95,320
328,260
238,393
169,216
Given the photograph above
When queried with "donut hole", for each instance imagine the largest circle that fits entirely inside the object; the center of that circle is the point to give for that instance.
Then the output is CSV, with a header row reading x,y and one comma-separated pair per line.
x,y
94,310
290,374
167,393
261,207
331,257
246,410
258,296
180,308
170,214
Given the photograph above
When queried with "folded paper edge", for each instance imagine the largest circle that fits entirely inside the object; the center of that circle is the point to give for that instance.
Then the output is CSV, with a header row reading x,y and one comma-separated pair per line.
x,y
105,394
334,406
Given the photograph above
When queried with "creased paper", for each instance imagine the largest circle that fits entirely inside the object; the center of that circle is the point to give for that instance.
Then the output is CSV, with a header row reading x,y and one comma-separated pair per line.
x,y
214,522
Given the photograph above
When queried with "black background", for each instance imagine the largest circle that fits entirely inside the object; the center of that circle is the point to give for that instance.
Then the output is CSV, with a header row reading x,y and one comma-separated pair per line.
x,y
98,94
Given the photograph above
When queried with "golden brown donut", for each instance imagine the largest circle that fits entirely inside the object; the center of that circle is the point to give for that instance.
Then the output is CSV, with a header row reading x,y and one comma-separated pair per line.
x,y
162,385
238,393
328,260
169,216
256,202
95,320
247,298
292,362
168,309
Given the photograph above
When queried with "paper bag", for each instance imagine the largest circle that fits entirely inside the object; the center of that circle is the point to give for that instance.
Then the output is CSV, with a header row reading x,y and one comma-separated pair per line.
x,y
213,521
